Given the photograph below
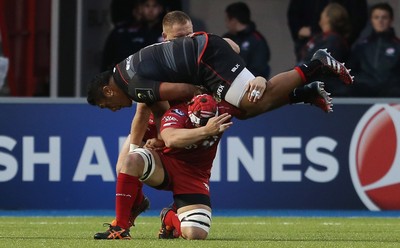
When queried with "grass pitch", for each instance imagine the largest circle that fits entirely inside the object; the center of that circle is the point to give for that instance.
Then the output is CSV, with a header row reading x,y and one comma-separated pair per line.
x,y
225,232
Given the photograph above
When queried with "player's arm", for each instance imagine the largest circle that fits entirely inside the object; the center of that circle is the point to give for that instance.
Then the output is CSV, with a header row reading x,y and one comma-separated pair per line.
x,y
182,137
141,120
139,125
233,44
159,109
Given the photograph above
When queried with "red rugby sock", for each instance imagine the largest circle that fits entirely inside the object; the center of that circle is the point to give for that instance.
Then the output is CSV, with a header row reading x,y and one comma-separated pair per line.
x,y
171,219
126,192
139,194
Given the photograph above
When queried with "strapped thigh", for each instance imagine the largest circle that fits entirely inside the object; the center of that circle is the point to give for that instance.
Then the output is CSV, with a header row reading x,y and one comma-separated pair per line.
x,y
200,218
237,90
149,163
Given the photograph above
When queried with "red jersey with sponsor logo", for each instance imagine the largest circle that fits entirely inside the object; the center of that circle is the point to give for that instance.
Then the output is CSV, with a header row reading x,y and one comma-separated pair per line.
x,y
200,154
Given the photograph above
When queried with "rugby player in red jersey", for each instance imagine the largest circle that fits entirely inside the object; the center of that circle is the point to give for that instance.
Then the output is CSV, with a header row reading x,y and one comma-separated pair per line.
x,y
191,133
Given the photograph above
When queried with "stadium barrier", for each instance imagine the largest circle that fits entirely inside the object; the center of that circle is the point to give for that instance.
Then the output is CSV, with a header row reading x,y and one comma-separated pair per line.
x,y
61,154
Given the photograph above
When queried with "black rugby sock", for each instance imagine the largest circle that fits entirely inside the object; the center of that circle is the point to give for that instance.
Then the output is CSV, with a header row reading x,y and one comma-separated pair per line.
x,y
310,70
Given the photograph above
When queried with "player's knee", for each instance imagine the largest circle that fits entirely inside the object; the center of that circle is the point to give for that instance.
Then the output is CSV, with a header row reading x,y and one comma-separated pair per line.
x,y
195,223
141,162
193,233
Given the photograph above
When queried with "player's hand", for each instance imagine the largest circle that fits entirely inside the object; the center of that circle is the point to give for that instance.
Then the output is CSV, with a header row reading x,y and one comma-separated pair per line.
x,y
218,124
256,88
154,144
304,32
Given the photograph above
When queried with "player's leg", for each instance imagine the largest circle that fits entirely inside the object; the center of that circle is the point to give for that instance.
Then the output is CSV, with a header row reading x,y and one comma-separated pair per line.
x,y
170,223
279,89
122,154
189,222
140,165
189,185
195,221
275,95
141,203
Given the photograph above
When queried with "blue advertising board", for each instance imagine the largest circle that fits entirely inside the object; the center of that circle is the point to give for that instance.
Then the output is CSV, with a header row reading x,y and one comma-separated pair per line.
x,y
60,156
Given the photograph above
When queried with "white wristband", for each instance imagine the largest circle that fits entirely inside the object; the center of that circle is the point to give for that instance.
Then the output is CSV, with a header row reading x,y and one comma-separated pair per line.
x,y
132,147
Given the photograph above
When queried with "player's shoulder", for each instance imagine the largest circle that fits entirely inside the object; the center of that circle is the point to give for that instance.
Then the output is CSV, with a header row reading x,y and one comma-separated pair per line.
x,y
175,116
179,109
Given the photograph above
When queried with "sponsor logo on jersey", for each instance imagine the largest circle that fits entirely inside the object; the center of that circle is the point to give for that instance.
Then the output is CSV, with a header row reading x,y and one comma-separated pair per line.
x,y
128,63
145,95
390,51
169,118
206,186
178,112
235,68
219,91
375,157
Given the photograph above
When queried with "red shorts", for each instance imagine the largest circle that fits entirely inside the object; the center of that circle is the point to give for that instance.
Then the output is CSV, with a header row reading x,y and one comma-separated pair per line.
x,y
184,178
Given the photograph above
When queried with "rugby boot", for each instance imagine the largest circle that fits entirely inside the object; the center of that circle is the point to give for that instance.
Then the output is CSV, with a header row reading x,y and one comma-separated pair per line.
x,y
166,232
136,210
113,232
316,95
330,64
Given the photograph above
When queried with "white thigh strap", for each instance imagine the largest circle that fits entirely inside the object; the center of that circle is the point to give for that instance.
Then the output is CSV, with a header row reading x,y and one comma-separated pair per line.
x,y
236,91
200,218
149,163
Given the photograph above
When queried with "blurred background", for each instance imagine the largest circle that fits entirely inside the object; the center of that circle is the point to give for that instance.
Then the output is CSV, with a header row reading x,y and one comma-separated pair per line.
x,y
55,47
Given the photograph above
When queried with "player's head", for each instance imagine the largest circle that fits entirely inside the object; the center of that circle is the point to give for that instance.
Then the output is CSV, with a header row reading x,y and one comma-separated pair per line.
x,y
201,108
103,92
176,24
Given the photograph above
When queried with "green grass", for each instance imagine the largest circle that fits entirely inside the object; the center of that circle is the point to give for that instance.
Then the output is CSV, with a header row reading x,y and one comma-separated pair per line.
x,y
229,232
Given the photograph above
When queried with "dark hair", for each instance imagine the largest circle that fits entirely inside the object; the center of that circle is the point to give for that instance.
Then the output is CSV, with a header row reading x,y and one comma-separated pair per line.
x,y
240,11
382,6
121,10
160,2
95,88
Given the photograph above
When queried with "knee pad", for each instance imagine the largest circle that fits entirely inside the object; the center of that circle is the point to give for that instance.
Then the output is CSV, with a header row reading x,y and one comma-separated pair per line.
x,y
149,163
200,218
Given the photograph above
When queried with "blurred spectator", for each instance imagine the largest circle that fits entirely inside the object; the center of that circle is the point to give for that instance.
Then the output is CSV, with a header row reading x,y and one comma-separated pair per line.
x,y
142,28
171,5
121,11
3,71
125,37
375,61
253,46
303,18
358,14
152,12
335,26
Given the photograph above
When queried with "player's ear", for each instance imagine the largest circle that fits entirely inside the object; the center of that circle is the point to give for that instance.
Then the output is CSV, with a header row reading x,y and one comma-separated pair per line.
x,y
108,91
164,36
